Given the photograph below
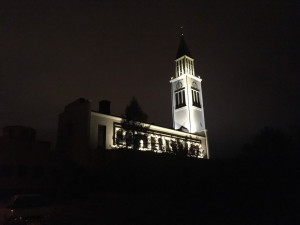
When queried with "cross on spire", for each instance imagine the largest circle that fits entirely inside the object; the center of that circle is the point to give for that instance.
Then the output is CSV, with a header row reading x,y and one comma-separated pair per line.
x,y
181,30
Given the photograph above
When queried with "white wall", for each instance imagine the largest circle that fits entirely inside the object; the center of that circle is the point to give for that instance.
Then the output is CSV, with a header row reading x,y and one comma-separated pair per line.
x,y
108,121
105,120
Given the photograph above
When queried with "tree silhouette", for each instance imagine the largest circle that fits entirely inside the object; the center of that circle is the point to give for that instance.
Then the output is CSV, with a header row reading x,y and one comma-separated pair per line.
x,y
133,123
268,145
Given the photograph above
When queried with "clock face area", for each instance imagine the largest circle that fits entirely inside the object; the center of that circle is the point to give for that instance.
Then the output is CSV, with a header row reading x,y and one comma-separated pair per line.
x,y
179,84
194,85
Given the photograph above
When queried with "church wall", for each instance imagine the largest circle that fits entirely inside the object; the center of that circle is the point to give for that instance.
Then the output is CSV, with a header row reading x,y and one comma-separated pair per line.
x,y
189,116
159,135
171,134
104,120
202,108
195,115
181,118
180,115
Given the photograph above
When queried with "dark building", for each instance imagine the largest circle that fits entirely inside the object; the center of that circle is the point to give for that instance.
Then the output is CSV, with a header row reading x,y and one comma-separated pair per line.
x,y
23,160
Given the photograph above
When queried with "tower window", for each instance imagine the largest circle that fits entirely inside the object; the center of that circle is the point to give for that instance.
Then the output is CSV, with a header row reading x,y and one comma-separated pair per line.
x,y
180,98
196,98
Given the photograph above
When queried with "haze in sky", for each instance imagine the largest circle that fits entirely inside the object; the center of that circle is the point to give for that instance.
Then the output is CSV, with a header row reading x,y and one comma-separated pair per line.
x,y
54,52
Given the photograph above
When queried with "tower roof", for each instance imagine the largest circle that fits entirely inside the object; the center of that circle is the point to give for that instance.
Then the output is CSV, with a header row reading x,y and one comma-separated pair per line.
x,y
182,49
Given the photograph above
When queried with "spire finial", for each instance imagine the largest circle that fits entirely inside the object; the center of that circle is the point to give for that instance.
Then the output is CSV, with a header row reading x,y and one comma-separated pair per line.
x,y
181,30
182,49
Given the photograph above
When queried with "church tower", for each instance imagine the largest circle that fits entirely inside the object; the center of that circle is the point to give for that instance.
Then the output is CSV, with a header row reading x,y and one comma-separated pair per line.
x,y
187,101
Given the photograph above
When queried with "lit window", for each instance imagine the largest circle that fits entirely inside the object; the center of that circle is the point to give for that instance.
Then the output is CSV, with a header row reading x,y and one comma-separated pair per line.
x,y
141,144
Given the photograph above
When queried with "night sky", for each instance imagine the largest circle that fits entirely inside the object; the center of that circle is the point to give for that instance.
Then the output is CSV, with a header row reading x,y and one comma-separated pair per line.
x,y
53,52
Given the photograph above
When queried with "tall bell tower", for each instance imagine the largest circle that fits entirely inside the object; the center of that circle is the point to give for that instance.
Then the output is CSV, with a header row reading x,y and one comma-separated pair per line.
x,y
186,92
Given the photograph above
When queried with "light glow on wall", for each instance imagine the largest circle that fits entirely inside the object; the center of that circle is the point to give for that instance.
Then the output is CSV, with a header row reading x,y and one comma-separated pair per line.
x,y
161,143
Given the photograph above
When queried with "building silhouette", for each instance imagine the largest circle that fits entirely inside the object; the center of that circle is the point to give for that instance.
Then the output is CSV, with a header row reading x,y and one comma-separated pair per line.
x,y
24,161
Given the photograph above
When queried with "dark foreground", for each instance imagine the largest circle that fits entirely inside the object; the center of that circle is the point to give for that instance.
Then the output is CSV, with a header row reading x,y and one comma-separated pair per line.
x,y
139,188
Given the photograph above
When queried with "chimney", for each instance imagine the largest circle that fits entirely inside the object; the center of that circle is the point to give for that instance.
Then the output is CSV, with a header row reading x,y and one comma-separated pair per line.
x,y
104,107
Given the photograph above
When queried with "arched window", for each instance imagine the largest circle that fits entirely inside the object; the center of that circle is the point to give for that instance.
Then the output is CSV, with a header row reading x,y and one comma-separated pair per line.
x,y
196,98
180,98
174,146
197,152
129,139
145,141
119,137
192,150
160,144
168,149
153,143
141,144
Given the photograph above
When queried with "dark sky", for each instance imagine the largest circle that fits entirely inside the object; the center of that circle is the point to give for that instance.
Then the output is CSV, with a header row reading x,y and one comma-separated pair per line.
x,y
53,52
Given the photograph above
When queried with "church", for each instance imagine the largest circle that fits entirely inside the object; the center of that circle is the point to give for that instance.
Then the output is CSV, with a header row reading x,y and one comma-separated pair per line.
x,y
82,132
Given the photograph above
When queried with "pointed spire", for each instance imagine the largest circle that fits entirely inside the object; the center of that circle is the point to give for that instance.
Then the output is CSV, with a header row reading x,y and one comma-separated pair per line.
x,y
182,49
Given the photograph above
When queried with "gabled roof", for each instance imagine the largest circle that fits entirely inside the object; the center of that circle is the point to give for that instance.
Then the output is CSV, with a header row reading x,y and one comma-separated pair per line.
x,y
182,49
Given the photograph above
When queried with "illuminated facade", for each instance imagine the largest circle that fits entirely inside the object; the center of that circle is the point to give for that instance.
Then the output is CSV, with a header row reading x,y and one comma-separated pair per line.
x,y
157,139
187,101
83,132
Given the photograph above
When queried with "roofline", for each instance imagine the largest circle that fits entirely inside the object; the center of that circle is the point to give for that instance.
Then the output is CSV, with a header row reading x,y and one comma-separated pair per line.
x,y
181,133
